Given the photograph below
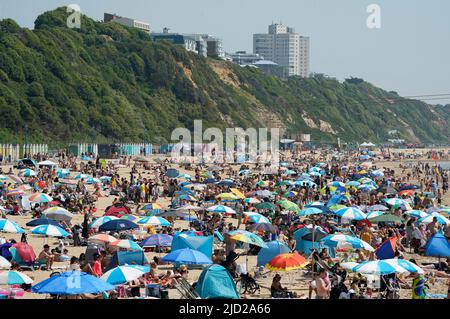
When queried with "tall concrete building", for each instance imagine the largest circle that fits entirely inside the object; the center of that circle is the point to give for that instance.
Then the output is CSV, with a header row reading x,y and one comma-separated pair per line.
x,y
285,47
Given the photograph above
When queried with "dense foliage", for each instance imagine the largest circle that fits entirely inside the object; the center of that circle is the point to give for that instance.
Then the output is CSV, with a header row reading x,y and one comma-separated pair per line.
x,y
107,82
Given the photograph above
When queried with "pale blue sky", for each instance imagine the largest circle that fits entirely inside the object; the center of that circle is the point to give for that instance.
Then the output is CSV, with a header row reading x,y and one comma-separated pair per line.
x,y
409,54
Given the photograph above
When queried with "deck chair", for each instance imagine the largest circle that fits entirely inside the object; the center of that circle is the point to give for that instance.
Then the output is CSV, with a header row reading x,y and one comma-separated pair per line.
x,y
22,264
185,289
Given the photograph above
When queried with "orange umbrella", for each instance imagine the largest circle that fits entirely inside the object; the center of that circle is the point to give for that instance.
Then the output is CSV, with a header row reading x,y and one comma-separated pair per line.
x,y
286,262
407,192
102,238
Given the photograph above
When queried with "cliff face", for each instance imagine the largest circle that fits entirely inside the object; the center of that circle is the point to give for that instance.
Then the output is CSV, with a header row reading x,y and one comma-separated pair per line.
x,y
111,83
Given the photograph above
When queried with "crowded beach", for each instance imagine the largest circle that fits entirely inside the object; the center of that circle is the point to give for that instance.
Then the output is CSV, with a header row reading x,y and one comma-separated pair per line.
x,y
364,223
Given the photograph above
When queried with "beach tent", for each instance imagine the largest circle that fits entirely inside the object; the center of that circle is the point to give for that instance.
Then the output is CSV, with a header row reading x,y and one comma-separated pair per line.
x,y
387,249
437,246
4,251
203,244
121,258
305,246
274,248
117,210
215,282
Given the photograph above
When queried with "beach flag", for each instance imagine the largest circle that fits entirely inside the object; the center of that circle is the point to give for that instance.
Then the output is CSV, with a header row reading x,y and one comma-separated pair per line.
x,y
387,249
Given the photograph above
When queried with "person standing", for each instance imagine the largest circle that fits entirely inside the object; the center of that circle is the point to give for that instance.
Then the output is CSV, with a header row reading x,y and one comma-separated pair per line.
x,y
323,285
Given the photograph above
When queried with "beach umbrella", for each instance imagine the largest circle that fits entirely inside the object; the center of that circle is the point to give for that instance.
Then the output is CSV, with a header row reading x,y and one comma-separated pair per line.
x,y
264,227
263,193
93,180
72,283
286,183
440,219
187,197
353,184
28,172
118,225
252,200
39,198
129,217
326,210
387,218
417,213
49,230
315,204
187,256
310,211
154,220
227,196
374,214
315,174
386,267
336,184
396,202
221,209
188,208
257,218
42,221
4,263
247,237
185,176
151,206
105,178
290,194
287,261
377,207
62,172
10,277
172,213
82,176
366,188
351,213
15,192
122,274
225,182
58,213
102,238
126,244
158,240
9,226
288,205
349,265
346,241
437,246
266,205
101,220
3,178
172,173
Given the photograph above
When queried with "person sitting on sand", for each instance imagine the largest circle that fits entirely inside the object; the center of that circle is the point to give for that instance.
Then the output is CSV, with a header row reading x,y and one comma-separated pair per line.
x,y
45,256
277,291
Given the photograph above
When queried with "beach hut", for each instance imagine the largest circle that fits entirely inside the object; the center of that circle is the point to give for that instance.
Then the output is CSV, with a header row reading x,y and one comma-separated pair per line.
x,y
305,246
203,244
274,248
215,282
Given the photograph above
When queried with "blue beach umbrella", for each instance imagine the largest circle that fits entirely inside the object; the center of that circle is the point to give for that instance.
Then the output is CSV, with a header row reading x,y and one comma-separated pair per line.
x,y
49,230
118,225
437,246
43,221
122,274
9,226
158,240
187,256
72,283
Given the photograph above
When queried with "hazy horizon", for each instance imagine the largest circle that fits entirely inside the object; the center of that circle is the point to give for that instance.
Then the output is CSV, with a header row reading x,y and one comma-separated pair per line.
x,y
408,54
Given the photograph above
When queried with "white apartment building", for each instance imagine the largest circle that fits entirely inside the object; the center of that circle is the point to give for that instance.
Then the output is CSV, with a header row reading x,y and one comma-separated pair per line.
x,y
284,47
127,21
